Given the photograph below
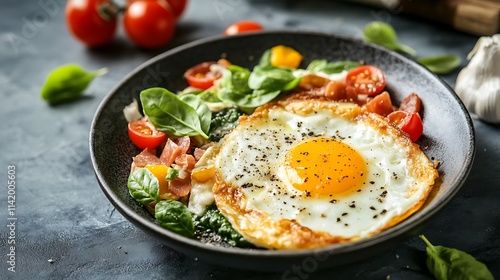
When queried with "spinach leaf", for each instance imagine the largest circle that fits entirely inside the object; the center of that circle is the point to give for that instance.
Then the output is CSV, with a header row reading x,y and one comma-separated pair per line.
x,y
448,263
67,83
250,100
383,34
442,64
214,221
174,216
209,96
322,65
235,79
223,122
265,59
269,78
143,186
171,115
201,109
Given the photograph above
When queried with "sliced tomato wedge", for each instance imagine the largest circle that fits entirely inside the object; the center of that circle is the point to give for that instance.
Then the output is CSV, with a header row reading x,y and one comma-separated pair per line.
x,y
366,79
144,135
411,123
200,76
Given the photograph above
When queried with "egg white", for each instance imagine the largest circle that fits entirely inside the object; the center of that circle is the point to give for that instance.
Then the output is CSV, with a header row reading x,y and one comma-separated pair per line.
x,y
254,191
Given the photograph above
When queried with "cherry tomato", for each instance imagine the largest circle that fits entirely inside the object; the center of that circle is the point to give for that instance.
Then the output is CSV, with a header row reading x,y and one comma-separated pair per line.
x,y
200,76
149,24
242,26
411,123
366,79
144,135
88,23
177,6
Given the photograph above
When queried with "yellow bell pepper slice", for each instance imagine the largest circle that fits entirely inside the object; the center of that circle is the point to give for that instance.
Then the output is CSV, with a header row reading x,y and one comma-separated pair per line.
x,y
283,56
203,174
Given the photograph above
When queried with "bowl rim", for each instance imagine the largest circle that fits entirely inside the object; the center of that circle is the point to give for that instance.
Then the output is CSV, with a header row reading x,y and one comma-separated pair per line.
x,y
406,226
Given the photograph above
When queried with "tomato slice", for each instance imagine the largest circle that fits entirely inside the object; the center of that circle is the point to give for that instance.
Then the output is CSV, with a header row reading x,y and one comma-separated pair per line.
x,y
366,79
200,76
144,135
411,123
242,26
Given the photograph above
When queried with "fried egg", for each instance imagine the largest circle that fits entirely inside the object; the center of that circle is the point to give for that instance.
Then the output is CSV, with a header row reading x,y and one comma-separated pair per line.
x,y
310,173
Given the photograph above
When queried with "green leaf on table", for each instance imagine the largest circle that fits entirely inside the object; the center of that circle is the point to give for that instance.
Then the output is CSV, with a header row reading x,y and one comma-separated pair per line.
x,y
67,83
322,65
448,263
442,64
174,216
173,116
384,34
143,186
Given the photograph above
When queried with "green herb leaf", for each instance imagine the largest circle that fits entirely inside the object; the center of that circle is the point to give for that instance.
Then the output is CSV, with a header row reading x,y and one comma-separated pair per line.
x,y
269,78
223,122
442,64
265,59
143,186
67,83
448,263
209,96
174,216
214,221
201,109
171,115
235,79
322,65
171,173
383,34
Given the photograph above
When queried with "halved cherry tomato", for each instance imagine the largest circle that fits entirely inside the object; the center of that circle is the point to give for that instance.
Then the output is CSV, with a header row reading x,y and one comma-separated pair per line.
x,y
366,79
380,104
88,23
242,26
200,76
144,135
149,24
411,123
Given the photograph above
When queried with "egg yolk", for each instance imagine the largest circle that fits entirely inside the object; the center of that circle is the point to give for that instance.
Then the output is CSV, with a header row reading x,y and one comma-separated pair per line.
x,y
324,166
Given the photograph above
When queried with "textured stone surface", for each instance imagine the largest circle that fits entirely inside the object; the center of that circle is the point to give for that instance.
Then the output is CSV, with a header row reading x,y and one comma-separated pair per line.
x,y
63,216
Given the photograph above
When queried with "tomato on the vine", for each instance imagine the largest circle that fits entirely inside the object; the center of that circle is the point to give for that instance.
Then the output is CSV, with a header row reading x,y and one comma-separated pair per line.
x,y
411,123
366,79
149,24
200,76
144,135
88,21
242,26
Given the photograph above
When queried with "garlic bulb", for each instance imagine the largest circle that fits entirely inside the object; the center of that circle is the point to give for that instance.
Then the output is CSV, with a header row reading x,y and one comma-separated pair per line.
x,y
478,84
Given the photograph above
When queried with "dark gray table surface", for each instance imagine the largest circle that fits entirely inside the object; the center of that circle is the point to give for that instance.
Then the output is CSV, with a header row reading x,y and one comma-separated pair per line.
x,y
67,229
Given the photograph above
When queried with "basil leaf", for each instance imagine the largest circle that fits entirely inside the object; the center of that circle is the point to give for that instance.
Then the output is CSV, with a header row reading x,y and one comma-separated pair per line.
x,y
448,263
322,65
383,34
442,64
171,115
201,109
143,186
174,216
269,78
67,83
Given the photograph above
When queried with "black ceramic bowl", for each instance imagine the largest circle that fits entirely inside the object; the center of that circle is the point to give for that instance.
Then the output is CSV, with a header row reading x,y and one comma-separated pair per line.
x,y
448,138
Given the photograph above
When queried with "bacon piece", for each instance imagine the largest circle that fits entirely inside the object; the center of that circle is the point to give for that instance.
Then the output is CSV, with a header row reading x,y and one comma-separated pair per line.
x,y
198,153
170,152
147,156
411,103
184,143
181,186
